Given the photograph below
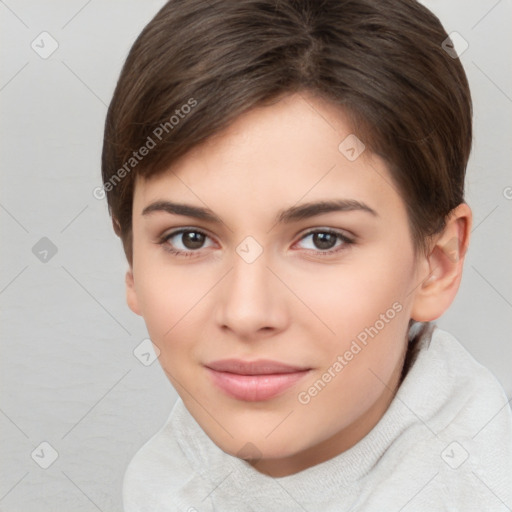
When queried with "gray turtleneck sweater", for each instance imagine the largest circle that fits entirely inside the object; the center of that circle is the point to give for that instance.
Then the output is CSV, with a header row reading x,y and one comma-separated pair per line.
x,y
444,444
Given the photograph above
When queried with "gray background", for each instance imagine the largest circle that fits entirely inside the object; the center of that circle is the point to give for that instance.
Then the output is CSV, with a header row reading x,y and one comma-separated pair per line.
x,y
69,376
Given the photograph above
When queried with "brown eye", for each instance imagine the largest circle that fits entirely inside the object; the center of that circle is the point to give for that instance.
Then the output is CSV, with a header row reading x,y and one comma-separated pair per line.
x,y
184,241
193,239
325,241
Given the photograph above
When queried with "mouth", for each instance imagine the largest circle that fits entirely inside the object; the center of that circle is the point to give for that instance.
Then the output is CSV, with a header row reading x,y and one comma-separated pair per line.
x,y
254,381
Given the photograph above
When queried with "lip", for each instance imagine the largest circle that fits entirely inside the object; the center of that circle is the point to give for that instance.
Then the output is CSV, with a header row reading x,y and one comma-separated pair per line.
x,y
254,381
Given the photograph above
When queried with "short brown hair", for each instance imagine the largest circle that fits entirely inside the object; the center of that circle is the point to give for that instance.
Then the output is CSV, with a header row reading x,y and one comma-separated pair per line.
x,y
381,61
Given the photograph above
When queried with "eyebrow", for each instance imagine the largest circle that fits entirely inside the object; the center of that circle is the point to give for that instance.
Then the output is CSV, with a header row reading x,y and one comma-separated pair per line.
x,y
289,215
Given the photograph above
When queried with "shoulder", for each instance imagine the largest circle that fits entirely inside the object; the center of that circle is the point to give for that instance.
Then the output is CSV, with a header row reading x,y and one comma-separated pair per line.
x,y
460,444
477,430
468,392
444,376
156,472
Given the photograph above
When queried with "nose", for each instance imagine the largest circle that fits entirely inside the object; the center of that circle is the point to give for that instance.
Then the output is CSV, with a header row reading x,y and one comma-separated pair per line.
x,y
251,301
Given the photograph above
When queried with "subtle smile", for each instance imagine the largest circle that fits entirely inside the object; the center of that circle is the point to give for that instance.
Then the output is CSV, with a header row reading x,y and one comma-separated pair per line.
x,y
254,381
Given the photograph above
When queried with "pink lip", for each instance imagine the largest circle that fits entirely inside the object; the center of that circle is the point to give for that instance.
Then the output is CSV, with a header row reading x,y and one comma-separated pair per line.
x,y
254,381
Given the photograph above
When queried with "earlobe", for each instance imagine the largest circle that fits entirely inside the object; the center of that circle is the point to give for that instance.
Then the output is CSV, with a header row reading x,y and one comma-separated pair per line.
x,y
131,293
444,264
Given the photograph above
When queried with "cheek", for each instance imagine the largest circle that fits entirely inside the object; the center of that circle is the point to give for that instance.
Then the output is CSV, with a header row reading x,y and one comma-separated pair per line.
x,y
369,316
172,300
366,304
352,296
158,294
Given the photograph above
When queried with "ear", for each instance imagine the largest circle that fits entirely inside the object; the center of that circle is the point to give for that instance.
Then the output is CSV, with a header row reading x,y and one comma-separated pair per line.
x,y
442,267
131,293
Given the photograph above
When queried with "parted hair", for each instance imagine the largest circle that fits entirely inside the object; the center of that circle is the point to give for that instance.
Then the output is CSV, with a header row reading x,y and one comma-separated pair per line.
x,y
199,64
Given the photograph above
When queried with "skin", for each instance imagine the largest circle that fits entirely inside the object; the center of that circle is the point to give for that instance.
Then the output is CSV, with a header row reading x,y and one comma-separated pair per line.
x,y
291,304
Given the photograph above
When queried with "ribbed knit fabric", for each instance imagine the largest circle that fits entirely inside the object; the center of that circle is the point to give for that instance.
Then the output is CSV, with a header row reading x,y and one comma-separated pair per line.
x,y
444,444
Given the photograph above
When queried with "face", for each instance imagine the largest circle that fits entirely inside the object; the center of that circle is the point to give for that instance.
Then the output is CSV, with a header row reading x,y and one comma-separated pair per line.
x,y
280,322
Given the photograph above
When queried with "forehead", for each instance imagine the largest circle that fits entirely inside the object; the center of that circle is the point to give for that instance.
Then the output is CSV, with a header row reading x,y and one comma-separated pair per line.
x,y
298,149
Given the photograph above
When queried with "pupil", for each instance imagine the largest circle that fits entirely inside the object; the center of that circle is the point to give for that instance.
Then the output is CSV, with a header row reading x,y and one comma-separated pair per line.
x,y
193,240
324,240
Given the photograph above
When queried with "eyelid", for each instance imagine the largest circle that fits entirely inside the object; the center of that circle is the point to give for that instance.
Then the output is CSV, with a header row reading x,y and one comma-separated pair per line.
x,y
347,239
178,231
323,229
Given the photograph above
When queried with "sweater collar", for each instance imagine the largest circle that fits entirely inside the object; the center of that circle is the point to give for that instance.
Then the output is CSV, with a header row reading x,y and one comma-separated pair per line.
x,y
238,481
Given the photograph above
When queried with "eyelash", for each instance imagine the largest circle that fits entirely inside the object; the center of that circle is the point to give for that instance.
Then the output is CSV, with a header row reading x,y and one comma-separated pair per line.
x,y
163,241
